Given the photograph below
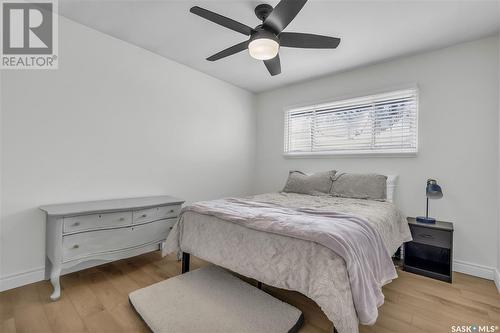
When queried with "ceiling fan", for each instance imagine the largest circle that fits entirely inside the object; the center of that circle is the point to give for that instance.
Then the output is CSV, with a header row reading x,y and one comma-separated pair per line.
x,y
266,38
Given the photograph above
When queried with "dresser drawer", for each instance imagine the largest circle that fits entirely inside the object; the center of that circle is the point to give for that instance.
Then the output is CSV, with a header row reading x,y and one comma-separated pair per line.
x,y
96,221
85,244
165,212
433,237
144,215
156,213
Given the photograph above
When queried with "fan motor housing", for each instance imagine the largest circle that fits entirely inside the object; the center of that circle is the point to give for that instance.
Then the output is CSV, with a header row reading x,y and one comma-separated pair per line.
x,y
262,11
262,33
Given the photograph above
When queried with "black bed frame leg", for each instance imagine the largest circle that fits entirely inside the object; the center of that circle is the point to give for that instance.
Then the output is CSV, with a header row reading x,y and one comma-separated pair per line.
x,y
185,262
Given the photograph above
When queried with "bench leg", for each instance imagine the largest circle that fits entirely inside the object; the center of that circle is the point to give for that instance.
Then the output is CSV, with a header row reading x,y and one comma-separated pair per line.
x,y
185,262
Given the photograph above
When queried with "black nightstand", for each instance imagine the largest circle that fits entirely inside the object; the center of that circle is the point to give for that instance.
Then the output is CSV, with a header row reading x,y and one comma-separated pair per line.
x,y
431,251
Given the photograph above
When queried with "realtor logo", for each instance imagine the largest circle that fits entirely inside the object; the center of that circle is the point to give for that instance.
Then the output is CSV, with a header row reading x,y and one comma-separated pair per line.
x,y
29,34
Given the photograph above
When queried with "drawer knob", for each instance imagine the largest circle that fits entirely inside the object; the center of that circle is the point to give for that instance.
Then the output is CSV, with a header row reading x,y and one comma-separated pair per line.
x,y
144,215
122,219
76,246
171,211
76,224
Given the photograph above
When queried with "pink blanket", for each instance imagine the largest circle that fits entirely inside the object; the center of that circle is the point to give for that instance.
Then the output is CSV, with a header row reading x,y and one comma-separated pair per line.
x,y
368,262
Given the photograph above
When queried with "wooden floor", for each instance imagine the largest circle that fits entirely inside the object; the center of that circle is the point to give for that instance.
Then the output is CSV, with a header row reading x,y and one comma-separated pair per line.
x,y
95,300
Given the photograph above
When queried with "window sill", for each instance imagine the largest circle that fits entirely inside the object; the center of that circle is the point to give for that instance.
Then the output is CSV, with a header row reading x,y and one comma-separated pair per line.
x,y
358,154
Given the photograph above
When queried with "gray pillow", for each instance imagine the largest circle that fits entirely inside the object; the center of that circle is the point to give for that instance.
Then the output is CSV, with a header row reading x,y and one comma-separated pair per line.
x,y
360,186
319,183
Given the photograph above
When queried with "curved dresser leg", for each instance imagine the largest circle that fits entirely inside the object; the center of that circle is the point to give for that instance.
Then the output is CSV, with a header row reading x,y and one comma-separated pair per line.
x,y
54,279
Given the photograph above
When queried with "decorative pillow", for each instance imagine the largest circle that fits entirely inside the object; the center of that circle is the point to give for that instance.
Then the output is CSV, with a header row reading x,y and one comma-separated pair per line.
x,y
360,186
319,183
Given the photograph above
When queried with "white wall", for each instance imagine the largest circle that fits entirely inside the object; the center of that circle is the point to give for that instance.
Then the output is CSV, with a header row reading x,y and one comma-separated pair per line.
x,y
113,121
1,234
497,272
458,143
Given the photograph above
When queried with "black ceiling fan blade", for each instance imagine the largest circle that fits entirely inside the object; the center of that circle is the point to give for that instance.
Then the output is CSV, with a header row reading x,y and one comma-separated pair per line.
x,y
229,51
222,20
284,12
273,65
308,41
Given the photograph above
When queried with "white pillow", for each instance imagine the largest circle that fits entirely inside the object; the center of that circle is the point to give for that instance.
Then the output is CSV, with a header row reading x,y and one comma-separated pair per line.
x,y
391,187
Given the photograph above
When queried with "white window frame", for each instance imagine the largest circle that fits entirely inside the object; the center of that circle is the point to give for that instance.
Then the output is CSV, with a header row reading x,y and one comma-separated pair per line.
x,y
353,153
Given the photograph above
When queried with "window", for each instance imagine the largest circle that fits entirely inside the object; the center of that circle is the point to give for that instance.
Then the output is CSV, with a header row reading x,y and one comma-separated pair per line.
x,y
377,124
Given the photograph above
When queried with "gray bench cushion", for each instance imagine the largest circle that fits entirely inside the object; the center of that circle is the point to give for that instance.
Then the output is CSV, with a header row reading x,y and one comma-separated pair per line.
x,y
212,300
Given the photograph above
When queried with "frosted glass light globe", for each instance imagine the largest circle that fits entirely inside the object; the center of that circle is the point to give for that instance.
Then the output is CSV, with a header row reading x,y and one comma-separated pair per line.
x,y
263,48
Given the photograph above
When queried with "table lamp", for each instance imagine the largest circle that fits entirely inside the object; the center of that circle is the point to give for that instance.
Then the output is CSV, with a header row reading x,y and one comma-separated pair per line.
x,y
432,191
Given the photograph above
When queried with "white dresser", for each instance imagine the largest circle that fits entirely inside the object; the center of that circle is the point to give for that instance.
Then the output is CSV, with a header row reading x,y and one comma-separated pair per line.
x,y
85,234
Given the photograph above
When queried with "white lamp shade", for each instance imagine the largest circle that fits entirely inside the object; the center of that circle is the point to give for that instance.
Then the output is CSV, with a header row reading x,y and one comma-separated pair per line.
x,y
263,48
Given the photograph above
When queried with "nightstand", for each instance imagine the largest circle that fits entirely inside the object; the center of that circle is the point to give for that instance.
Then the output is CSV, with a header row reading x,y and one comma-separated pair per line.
x,y
431,251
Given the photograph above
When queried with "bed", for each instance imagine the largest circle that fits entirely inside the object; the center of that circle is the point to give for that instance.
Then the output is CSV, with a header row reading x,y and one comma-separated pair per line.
x,y
287,262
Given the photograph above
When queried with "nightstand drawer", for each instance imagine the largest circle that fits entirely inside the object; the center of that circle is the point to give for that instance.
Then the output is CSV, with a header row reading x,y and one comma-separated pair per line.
x,y
429,236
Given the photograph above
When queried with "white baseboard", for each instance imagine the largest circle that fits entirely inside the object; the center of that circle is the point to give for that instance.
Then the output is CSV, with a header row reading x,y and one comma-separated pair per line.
x,y
38,274
497,279
469,268
20,279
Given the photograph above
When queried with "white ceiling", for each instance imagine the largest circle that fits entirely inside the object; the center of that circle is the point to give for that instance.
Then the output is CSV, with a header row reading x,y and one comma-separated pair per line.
x,y
371,31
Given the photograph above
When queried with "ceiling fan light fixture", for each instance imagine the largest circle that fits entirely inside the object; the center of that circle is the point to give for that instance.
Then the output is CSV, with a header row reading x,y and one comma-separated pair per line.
x,y
263,46
267,38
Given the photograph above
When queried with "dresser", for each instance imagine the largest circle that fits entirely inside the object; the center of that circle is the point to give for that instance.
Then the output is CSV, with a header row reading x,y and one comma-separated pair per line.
x,y
430,253
85,234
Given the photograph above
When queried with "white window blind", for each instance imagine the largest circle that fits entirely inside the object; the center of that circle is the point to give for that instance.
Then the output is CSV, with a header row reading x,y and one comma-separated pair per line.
x,y
382,123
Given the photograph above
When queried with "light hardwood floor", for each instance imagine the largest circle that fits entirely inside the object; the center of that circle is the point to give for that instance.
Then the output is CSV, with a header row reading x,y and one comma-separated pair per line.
x,y
95,300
